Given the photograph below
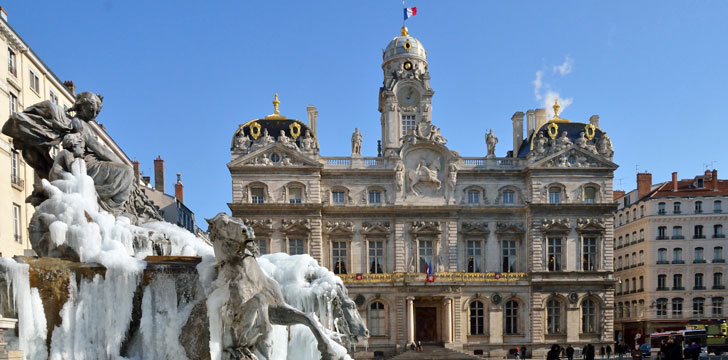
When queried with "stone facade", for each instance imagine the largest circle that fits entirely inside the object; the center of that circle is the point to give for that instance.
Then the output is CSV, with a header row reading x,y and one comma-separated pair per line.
x,y
670,250
481,254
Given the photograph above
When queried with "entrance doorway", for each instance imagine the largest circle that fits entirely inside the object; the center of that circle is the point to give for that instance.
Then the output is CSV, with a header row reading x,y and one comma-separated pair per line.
x,y
426,324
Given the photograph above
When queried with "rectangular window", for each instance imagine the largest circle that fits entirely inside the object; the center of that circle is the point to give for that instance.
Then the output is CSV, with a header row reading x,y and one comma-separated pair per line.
x,y
699,255
698,207
677,282
509,256
642,234
717,306
508,197
589,254
718,231
676,207
426,256
14,168
257,195
13,103
661,282
338,197
642,283
53,97
717,206
662,233
718,280
662,256
408,124
699,281
661,307
698,307
642,211
677,232
34,82
677,307
473,197
718,254
699,232
338,256
554,195
262,246
375,197
473,254
295,195
295,247
661,208
677,256
376,257
12,62
17,225
554,254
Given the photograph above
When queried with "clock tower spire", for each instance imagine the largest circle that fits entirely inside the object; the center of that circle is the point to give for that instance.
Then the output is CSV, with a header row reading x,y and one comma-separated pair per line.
x,y
405,99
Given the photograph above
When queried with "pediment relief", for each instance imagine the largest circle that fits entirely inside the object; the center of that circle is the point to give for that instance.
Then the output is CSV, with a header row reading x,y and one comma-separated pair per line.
x,y
289,226
372,228
590,225
474,228
573,157
556,225
274,155
426,228
506,228
260,226
340,228
428,171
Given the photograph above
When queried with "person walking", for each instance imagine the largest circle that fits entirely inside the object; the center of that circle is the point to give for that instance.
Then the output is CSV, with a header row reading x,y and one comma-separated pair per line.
x,y
518,353
694,351
589,352
553,354
569,352
601,352
609,352
523,352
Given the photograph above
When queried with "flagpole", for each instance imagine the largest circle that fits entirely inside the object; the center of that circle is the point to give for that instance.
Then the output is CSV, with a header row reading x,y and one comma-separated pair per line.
x,y
403,10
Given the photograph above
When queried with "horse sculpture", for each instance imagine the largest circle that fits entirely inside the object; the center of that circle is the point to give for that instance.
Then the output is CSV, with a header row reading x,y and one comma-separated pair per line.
x,y
254,300
422,173
321,289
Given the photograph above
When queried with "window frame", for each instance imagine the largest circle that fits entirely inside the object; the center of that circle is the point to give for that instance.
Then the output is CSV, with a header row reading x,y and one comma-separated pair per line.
x,y
511,326
379,316
476,318
34,81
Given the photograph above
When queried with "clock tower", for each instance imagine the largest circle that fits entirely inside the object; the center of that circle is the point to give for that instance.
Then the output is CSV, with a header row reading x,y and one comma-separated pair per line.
x,y
405,99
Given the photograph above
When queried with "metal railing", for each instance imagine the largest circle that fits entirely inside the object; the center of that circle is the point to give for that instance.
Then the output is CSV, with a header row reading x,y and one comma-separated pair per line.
x,y
17,181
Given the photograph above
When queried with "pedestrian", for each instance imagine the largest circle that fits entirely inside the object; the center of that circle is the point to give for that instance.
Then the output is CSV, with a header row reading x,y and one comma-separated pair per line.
x,y
553,354
523,352
673,350
419,345
601,352
609,351
518,353
694,351
589,352
569,352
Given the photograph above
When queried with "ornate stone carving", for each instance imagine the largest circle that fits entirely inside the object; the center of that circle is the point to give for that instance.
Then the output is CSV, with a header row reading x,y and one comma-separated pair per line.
x,y
419,227
340,227
590,224
262,141
289,225
308,143
475,227
399,176
376,226
451,182
510,227
425,172
555,224
604,146
490,141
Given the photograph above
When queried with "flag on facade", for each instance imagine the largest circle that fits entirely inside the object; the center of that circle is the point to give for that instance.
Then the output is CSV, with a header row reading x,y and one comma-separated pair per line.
x,y
430,277
410,12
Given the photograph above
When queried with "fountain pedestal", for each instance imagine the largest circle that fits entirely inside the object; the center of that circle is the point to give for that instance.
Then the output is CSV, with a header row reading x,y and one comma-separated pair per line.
x,y
5,325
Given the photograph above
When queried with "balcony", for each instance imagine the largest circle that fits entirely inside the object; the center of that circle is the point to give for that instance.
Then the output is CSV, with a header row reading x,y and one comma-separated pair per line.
x,y
678,261
17,182
440,277
717,211
678,288
718,261
661,212
699,261
718,287
699,237
678,237
698,287
662,237
698,211
677,212
662,262
718,236
13,70
662,288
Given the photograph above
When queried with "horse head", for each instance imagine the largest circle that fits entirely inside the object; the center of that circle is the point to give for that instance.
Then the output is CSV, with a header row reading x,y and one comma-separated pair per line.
x,y
230,237
350,315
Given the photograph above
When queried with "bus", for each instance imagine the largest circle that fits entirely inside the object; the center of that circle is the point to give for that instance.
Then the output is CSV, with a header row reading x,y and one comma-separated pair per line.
x,y
715,333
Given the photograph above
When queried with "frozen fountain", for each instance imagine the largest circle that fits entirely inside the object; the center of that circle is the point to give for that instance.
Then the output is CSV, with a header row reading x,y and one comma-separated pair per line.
x,y
116,282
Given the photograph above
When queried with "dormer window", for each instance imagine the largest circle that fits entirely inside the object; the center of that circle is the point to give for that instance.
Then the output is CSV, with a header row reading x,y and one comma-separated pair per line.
x,y
295,195
509,197
700,183
338,197
554,195
375,197
473,197
257,195
590,194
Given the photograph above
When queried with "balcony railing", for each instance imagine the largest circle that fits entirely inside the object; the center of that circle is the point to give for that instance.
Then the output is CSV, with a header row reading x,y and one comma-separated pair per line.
x,y
17,181
662,288
662,262
678,261
13,70
678,237
678,288
662,237
718,236
698,287
440,277
718,287
699,237
699,261
661,212
717,261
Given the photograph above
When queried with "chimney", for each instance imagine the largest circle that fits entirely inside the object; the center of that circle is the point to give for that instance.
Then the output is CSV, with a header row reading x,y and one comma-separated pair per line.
x,y
674,181
530,122
179,189
517,119
70,86
3,14
541,118
616,194
715,180
644,184
594,120
135,163
159,174
147,179
312,118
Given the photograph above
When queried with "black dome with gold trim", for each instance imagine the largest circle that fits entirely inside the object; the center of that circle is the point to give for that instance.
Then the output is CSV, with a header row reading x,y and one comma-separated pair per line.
x,y
274,123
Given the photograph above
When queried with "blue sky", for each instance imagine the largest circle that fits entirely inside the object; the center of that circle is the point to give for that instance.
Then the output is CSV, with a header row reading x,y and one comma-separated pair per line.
x,y
179,76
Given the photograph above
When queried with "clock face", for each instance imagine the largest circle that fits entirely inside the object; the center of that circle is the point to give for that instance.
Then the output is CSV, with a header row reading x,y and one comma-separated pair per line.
x,y
409,96
407,65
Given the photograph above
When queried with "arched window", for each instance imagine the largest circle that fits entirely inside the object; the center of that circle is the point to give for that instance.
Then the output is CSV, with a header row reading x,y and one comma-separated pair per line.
x,y
509,196
553,316
588,317
554,195
477,318
376,319
512,317
473,197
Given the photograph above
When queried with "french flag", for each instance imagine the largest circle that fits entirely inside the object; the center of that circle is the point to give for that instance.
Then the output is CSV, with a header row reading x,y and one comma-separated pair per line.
x,y
409,12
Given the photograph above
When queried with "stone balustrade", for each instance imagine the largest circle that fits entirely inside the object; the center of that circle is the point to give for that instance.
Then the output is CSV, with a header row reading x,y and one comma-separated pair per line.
x,y
440,277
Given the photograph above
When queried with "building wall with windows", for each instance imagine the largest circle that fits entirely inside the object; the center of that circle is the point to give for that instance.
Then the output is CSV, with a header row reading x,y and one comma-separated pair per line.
x,y
25,81
670,250
481,254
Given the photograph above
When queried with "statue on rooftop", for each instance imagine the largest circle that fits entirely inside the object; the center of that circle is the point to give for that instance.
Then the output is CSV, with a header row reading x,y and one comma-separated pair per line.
x,y
356,139
490,141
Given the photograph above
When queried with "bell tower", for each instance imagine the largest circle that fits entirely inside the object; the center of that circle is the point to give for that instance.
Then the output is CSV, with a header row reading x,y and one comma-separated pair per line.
x,y
405,98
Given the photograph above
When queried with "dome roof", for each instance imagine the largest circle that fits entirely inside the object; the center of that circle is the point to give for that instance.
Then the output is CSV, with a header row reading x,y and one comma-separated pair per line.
x,y
404,45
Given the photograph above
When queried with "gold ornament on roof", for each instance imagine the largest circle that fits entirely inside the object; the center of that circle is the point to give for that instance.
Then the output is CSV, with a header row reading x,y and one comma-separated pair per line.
x,y
556,117
276,115
589,131
254,130
404,31
295,130
553,130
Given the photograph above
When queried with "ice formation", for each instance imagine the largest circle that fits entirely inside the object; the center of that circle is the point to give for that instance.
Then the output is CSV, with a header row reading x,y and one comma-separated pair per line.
x,y
99,310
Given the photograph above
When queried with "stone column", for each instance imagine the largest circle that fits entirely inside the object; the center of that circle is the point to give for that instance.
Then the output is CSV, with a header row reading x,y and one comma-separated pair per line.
x,y
448,320
5,325
410,319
